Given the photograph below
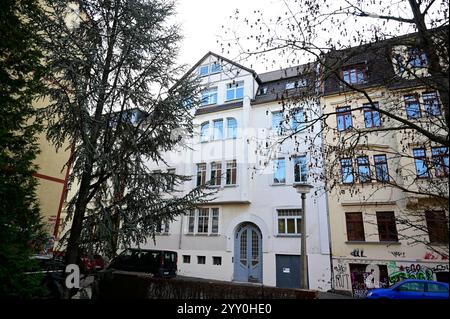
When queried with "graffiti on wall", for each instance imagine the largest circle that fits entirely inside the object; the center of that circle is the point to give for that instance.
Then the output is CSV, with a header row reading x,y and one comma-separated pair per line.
x,y
341,278
397,254
413,271
357,253
433,256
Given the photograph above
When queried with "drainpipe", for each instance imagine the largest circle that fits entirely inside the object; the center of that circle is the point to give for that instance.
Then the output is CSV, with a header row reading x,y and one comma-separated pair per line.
x,y
181,231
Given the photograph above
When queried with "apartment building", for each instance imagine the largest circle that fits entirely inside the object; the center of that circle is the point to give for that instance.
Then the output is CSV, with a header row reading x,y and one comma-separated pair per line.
x,y
250,231
384,226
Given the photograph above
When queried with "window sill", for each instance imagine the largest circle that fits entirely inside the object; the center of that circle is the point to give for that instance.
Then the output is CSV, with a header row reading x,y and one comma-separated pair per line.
x,y
358,242
288,235
234,100
213,186
278,184
201,235
230,186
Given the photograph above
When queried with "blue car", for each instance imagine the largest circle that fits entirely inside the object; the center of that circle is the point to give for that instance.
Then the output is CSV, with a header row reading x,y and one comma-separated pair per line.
x,y
412,289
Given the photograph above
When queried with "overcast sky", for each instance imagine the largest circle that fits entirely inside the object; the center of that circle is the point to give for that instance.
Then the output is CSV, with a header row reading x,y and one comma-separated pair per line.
x,y
202,20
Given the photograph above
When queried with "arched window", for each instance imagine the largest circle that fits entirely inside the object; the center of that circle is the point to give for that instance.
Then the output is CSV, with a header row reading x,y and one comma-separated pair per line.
x,y
231,127
204,132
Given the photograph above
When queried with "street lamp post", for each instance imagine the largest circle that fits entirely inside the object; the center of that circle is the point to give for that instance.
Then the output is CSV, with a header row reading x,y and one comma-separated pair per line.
x,y
303,189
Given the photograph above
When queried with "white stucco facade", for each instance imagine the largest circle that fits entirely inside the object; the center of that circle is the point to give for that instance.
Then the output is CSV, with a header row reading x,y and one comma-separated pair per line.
x,y
253,199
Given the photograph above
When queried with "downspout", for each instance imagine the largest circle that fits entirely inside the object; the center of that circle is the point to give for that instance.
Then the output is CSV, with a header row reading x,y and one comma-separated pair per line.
x,y
181,232
64,193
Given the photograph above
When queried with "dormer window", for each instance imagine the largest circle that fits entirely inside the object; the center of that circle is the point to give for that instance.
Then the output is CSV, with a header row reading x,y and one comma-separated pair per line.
x,y
355,74
204,70
263,90
215,67
417,58
296,84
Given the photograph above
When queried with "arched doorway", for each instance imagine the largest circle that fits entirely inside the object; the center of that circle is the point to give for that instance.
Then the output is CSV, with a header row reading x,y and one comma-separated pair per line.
x,y
248,253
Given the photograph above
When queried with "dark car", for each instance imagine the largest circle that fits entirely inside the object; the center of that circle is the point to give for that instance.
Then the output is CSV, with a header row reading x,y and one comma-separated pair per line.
x,y
91,263
159,263
51,272
412,289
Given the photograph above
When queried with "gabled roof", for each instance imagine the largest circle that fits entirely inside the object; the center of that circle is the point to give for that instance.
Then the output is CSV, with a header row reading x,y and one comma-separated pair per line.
x,y
219,57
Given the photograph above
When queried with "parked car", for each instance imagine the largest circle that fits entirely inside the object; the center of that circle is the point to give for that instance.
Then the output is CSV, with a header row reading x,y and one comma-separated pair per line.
x,y
159,263
92,263
412,289
51,270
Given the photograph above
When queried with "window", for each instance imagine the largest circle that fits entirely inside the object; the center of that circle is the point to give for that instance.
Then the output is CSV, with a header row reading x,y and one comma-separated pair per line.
x,y
216,67
277,122
209,96
387,229
440,161
371,116
191,221
437,225
212,68
203,70
364,169
201,260
420,159
431,105
186,259
203,219
347,171
204,132
231,128
413,286
412,107
163,228
263,90
417,58
279,176
298,120
235,91
300,169
381,168
344,118
296,84
355,227
437,288
218,129
216,173
215,221
355,74
217,260
171,185
289,221
201,174
231,173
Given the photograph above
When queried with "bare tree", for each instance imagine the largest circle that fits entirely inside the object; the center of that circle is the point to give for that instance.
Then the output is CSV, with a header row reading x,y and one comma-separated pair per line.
x,y
385,54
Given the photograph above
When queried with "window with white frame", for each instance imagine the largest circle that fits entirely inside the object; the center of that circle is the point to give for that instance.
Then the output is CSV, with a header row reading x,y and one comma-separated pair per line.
x,y
162,228
218,130
171,181
209,96
231,173
235,91
204,132
216,173
298,120
279,175
300,169
277,122
211,68
289,221
203,221
203,70
191,221
201,174
231,127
